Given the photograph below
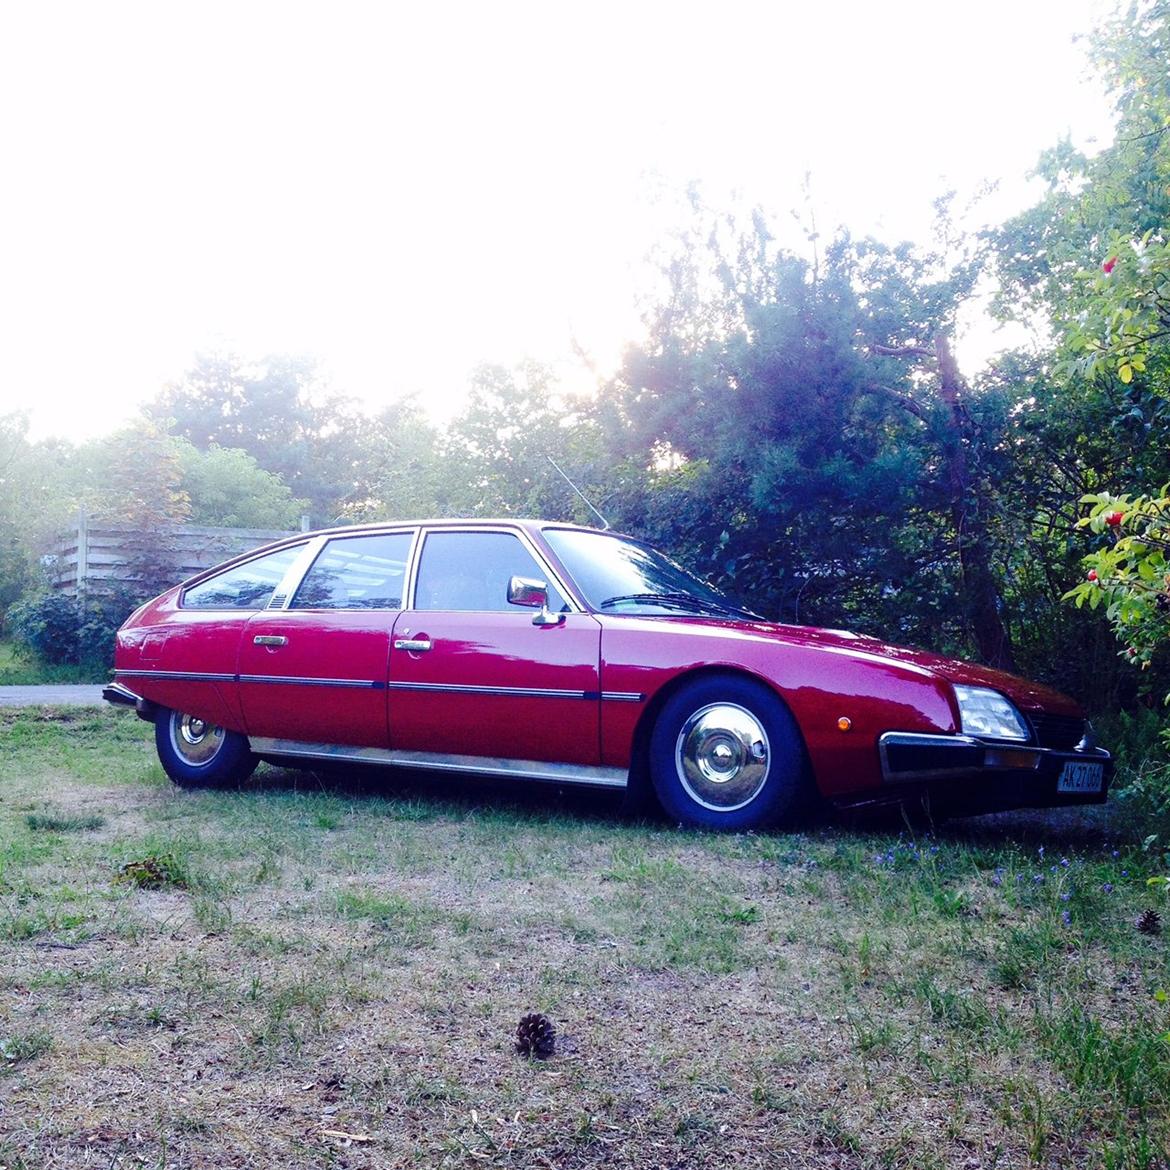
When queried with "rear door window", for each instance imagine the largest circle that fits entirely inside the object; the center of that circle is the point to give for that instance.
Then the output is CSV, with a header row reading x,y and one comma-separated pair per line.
x,y
357,572
247,586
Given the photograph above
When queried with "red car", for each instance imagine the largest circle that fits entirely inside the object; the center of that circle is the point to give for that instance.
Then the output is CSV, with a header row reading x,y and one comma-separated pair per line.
x,y
558,653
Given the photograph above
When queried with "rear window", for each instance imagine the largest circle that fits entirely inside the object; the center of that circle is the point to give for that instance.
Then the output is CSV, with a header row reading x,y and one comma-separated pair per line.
x,y
247,586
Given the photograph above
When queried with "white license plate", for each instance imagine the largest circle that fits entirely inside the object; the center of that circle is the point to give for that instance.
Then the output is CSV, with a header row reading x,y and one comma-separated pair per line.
x,y
1080,776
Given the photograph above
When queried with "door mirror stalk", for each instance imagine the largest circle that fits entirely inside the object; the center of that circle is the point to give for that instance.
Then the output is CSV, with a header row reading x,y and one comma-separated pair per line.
x,y
533,594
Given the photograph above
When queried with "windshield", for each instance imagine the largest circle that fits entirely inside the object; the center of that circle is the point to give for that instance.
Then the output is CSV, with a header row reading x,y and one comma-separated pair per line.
x,y
626,576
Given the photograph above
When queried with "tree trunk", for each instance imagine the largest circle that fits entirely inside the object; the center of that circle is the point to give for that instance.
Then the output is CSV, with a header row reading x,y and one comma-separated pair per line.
x,y
981,591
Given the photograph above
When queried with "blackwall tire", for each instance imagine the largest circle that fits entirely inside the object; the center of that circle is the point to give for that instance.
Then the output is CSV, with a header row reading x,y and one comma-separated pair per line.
x,y
726,754
197,754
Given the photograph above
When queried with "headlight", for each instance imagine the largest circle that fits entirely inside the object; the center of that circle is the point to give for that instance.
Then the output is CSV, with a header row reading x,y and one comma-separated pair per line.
x,y
987,713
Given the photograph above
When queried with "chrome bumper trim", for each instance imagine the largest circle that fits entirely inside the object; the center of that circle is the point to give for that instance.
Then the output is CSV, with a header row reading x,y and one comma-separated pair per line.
x,y
911,758
958,754
119,695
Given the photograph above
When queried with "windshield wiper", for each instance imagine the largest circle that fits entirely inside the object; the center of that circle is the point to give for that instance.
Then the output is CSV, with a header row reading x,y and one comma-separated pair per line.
x,y
683,601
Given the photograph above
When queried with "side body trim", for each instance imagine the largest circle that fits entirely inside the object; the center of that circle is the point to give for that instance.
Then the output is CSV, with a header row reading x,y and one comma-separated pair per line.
x,y
517,692
178,675
364,684
435,761
377,685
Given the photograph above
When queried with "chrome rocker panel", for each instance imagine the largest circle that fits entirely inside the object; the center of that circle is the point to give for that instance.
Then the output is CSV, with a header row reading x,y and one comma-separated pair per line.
x,y
438,762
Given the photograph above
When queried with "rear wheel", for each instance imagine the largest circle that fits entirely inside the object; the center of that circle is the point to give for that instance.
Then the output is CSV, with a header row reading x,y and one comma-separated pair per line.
x,y
198,754
725,753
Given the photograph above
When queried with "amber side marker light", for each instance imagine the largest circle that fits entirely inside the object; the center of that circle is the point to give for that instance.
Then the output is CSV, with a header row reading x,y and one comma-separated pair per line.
x,y
844,723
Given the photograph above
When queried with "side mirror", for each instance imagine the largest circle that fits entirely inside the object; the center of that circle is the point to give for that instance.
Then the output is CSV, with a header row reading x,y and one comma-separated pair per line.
x,y
533,594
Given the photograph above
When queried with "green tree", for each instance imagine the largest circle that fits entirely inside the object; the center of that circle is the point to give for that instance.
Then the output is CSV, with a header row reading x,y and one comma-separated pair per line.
x,y
281,413
402,467
1092,257
15,561
810,442
494,456
227,487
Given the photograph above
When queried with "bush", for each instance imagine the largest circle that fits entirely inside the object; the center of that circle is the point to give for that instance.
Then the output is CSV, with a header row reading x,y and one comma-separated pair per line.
x,y
60,628
48,625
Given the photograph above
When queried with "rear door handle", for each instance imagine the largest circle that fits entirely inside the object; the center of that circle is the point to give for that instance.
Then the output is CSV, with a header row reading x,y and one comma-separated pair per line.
x,y
415,644
269,640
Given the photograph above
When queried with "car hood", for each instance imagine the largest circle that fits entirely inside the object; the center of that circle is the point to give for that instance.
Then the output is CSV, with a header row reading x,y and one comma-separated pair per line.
x,y
1024,693
1029,696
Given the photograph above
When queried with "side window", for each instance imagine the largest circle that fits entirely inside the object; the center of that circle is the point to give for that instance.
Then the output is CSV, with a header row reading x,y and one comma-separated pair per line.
x,y
246,586
357,572
471,571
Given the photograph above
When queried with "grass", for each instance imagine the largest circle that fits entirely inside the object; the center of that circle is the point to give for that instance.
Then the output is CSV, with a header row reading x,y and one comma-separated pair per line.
x,y
22,668
261,972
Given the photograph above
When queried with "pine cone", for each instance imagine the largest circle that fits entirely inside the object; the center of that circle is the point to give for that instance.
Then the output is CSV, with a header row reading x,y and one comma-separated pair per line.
x,y
536,1036
1149,922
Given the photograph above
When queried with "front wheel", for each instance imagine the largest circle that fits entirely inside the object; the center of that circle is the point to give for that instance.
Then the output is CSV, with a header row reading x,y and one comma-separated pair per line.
x,y
198,754
725,753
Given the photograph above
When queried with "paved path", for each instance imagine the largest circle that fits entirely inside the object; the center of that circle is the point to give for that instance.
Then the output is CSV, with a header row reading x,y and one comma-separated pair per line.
x,y
85,696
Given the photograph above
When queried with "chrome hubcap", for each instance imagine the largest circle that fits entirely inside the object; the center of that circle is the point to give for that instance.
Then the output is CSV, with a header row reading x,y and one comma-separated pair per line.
x,y
722,757
195,740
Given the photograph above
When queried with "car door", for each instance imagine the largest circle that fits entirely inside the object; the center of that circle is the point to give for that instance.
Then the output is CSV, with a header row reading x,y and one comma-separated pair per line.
x,y
314,672
476,679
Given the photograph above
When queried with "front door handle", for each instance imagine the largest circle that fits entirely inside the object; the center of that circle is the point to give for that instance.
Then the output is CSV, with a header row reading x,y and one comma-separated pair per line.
x,y
270,640
415,644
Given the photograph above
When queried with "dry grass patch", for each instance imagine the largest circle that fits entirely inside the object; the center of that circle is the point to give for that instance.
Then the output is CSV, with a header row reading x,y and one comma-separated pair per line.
x,y
337,979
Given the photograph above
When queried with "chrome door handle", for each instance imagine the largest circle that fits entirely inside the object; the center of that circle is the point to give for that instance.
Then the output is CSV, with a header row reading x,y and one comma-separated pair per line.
x,y
270,640
415,644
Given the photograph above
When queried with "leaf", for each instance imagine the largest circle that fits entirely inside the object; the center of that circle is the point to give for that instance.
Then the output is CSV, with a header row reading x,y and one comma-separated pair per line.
x,y
1125,372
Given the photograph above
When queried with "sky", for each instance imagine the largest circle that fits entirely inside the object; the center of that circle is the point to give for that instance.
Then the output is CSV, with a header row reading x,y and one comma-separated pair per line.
x,y
406,191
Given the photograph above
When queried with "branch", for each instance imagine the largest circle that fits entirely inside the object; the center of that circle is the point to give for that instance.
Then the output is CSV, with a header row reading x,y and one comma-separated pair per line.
x,y
903,400
903,350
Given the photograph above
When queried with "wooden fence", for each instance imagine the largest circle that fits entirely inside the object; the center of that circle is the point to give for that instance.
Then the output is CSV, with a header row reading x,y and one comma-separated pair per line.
x,y
98,554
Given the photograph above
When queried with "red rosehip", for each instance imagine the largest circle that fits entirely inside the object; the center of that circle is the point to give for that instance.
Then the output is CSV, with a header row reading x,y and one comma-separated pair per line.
x,y
1114,519
1092,574
1107,267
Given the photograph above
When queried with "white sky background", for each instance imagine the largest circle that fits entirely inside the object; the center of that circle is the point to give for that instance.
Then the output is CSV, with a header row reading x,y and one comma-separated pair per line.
x,y
408,191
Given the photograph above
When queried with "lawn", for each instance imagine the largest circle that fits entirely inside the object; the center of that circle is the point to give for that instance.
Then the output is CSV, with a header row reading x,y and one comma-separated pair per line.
x,y
328,972
20,668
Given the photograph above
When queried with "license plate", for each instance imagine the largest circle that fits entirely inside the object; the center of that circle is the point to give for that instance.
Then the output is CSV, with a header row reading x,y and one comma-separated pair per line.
x,y
1080,776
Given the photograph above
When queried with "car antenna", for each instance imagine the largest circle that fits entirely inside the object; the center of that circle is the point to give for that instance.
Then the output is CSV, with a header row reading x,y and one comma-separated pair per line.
x,y
604,521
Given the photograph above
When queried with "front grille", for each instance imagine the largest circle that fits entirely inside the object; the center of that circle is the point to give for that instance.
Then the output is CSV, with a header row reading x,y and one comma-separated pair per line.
x,y
1062,732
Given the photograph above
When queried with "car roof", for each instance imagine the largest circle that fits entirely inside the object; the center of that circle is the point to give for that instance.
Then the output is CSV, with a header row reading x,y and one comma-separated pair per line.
x,y
529,524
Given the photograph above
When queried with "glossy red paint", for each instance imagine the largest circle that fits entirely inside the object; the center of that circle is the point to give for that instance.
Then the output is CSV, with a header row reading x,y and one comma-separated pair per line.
x,y
503,655
820,679
174,644
325,683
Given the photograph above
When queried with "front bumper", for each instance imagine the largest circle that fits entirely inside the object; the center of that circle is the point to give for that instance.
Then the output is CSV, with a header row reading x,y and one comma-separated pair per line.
x,y
964,774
